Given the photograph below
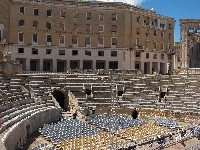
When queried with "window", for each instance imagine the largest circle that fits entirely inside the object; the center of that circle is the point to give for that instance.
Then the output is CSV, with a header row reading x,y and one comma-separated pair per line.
x,y
62,39
114,28
35,12
100,53
154,44
34,51
35,24
114,41
88,53
62,26
21,23
169,46
162,56
88,15
170,26
88,27
137,42
113,53
20,50
114,16
147,44
162,34
49,13
138,19
169,36
75,40
61,52
137,54
101,16
48,25
138,30
21,9
35,38
154,56
162,46
74,52
155,34
87,40
48,38
101,28
100,40
147,55
75,15
62,14
75,27
21,37
147,32
48,51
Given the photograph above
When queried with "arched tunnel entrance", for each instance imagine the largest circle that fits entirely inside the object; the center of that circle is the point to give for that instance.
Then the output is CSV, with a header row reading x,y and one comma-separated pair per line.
x,y
61,99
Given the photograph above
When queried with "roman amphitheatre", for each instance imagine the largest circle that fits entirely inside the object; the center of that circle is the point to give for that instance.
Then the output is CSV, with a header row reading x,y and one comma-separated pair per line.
x,y
37,110
70,85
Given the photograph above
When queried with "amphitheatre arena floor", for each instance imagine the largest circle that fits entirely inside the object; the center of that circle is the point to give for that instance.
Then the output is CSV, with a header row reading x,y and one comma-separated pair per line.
x,y
36,139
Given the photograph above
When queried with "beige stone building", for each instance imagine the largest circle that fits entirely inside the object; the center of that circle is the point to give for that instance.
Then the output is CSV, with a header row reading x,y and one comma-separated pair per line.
x,y
190,43
59,35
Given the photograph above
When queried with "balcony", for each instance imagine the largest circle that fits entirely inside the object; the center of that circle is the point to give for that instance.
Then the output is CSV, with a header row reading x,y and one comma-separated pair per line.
x,y
139,48
171,51
49,43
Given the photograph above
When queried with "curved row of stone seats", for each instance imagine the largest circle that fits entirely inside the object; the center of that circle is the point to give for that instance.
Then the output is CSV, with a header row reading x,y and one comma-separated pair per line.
x,y
18,114
27,123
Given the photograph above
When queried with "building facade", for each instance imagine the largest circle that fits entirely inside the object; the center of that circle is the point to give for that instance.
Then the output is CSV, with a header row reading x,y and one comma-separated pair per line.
x,y
57,36
190,43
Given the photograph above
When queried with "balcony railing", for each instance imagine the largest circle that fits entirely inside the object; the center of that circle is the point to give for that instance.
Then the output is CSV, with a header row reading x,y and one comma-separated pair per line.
x,y
171,51
139,48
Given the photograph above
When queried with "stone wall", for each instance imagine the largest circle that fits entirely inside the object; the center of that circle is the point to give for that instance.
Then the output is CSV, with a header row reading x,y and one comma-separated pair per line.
x,y
10,68
18,133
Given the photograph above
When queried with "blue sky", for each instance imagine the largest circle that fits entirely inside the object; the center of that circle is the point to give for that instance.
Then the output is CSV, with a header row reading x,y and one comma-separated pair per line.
x,y
177,9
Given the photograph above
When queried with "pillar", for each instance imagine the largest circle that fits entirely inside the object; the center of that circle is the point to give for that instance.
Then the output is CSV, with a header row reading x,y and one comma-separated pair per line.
x,y
94,64
150,67
27,64
142,66
81,64
68,64
107,65
54,65
158,67
41,64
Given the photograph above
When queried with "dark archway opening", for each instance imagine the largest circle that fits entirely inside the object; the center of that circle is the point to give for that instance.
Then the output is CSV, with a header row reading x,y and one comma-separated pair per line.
x,y
88,91
162,94
120,93
60,98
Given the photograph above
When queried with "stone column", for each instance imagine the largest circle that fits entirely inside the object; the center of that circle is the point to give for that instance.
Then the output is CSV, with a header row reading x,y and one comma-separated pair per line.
x,y
94,64
68,64
41,64
27,64
81,64
142,66
150,67
158,67
54,65
107,65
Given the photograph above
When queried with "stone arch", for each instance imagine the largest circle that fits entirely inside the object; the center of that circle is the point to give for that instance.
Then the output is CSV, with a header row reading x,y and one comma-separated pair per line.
x,y
62,98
